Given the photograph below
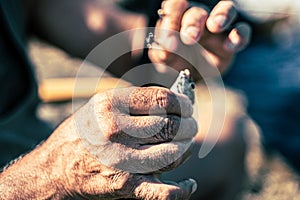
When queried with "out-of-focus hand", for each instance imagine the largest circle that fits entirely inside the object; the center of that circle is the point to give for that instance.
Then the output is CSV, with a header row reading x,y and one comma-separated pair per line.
x,y
214,30
112,148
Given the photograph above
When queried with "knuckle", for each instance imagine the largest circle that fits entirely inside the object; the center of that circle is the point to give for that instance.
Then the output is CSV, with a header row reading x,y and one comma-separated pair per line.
x,y
173,18
119,181
195,16
170,128
198,11
172,23
106,112
163,98
172,125
101,101
226,3
170,5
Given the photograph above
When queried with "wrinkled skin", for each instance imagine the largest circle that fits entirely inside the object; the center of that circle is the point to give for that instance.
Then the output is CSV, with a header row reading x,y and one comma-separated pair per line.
x,y
63,167
70,163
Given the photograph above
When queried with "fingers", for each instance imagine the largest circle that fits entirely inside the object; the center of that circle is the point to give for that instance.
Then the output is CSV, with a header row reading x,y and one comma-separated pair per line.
x,y
146,158
158,129
173,10
158,100
221,48
146,101
156,190
160,156
166,31
221,17
192,22
175,164
238,38
224,46
101,182
214,31
171,21
193,25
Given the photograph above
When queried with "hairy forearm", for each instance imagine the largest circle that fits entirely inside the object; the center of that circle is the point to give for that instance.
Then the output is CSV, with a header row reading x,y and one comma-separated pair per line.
x,y
28,178
42,174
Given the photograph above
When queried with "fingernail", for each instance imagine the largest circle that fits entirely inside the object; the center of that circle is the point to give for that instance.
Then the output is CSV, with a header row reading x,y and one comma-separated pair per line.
x,y
221,20
194,185
243,30
193,32
230,46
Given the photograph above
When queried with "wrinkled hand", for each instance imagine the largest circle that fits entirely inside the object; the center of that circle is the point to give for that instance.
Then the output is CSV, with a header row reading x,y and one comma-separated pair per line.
x,y
112,148
193,23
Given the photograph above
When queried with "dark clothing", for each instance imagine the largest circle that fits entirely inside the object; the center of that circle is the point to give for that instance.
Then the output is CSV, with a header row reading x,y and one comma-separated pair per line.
x,y
20,130
269,75
16,78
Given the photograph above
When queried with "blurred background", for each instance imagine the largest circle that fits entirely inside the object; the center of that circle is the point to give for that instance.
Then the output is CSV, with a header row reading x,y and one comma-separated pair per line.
x,y
267,74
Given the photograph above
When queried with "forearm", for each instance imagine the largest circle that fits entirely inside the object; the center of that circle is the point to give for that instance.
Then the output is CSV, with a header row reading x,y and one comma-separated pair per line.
x,y
78,26
43,173
29,178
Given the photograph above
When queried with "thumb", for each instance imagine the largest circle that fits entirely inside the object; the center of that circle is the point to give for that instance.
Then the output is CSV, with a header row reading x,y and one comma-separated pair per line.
x,y
157,190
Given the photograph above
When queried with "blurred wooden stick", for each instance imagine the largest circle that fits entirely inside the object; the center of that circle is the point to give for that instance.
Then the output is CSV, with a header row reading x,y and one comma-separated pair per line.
x,y
63,89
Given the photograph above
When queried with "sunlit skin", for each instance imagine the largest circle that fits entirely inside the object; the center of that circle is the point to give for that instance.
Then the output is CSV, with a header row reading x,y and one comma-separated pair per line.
x,y
63,168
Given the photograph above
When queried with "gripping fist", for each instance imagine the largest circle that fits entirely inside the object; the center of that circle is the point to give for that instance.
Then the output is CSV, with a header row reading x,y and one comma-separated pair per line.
x,y
111,148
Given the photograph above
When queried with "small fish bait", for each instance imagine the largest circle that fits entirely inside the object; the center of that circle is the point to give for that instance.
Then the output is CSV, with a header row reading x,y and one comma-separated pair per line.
x,y
184,84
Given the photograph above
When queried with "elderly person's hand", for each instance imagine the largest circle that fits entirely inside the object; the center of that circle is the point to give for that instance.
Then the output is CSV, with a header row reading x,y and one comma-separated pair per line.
x,y
110,148
214,30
